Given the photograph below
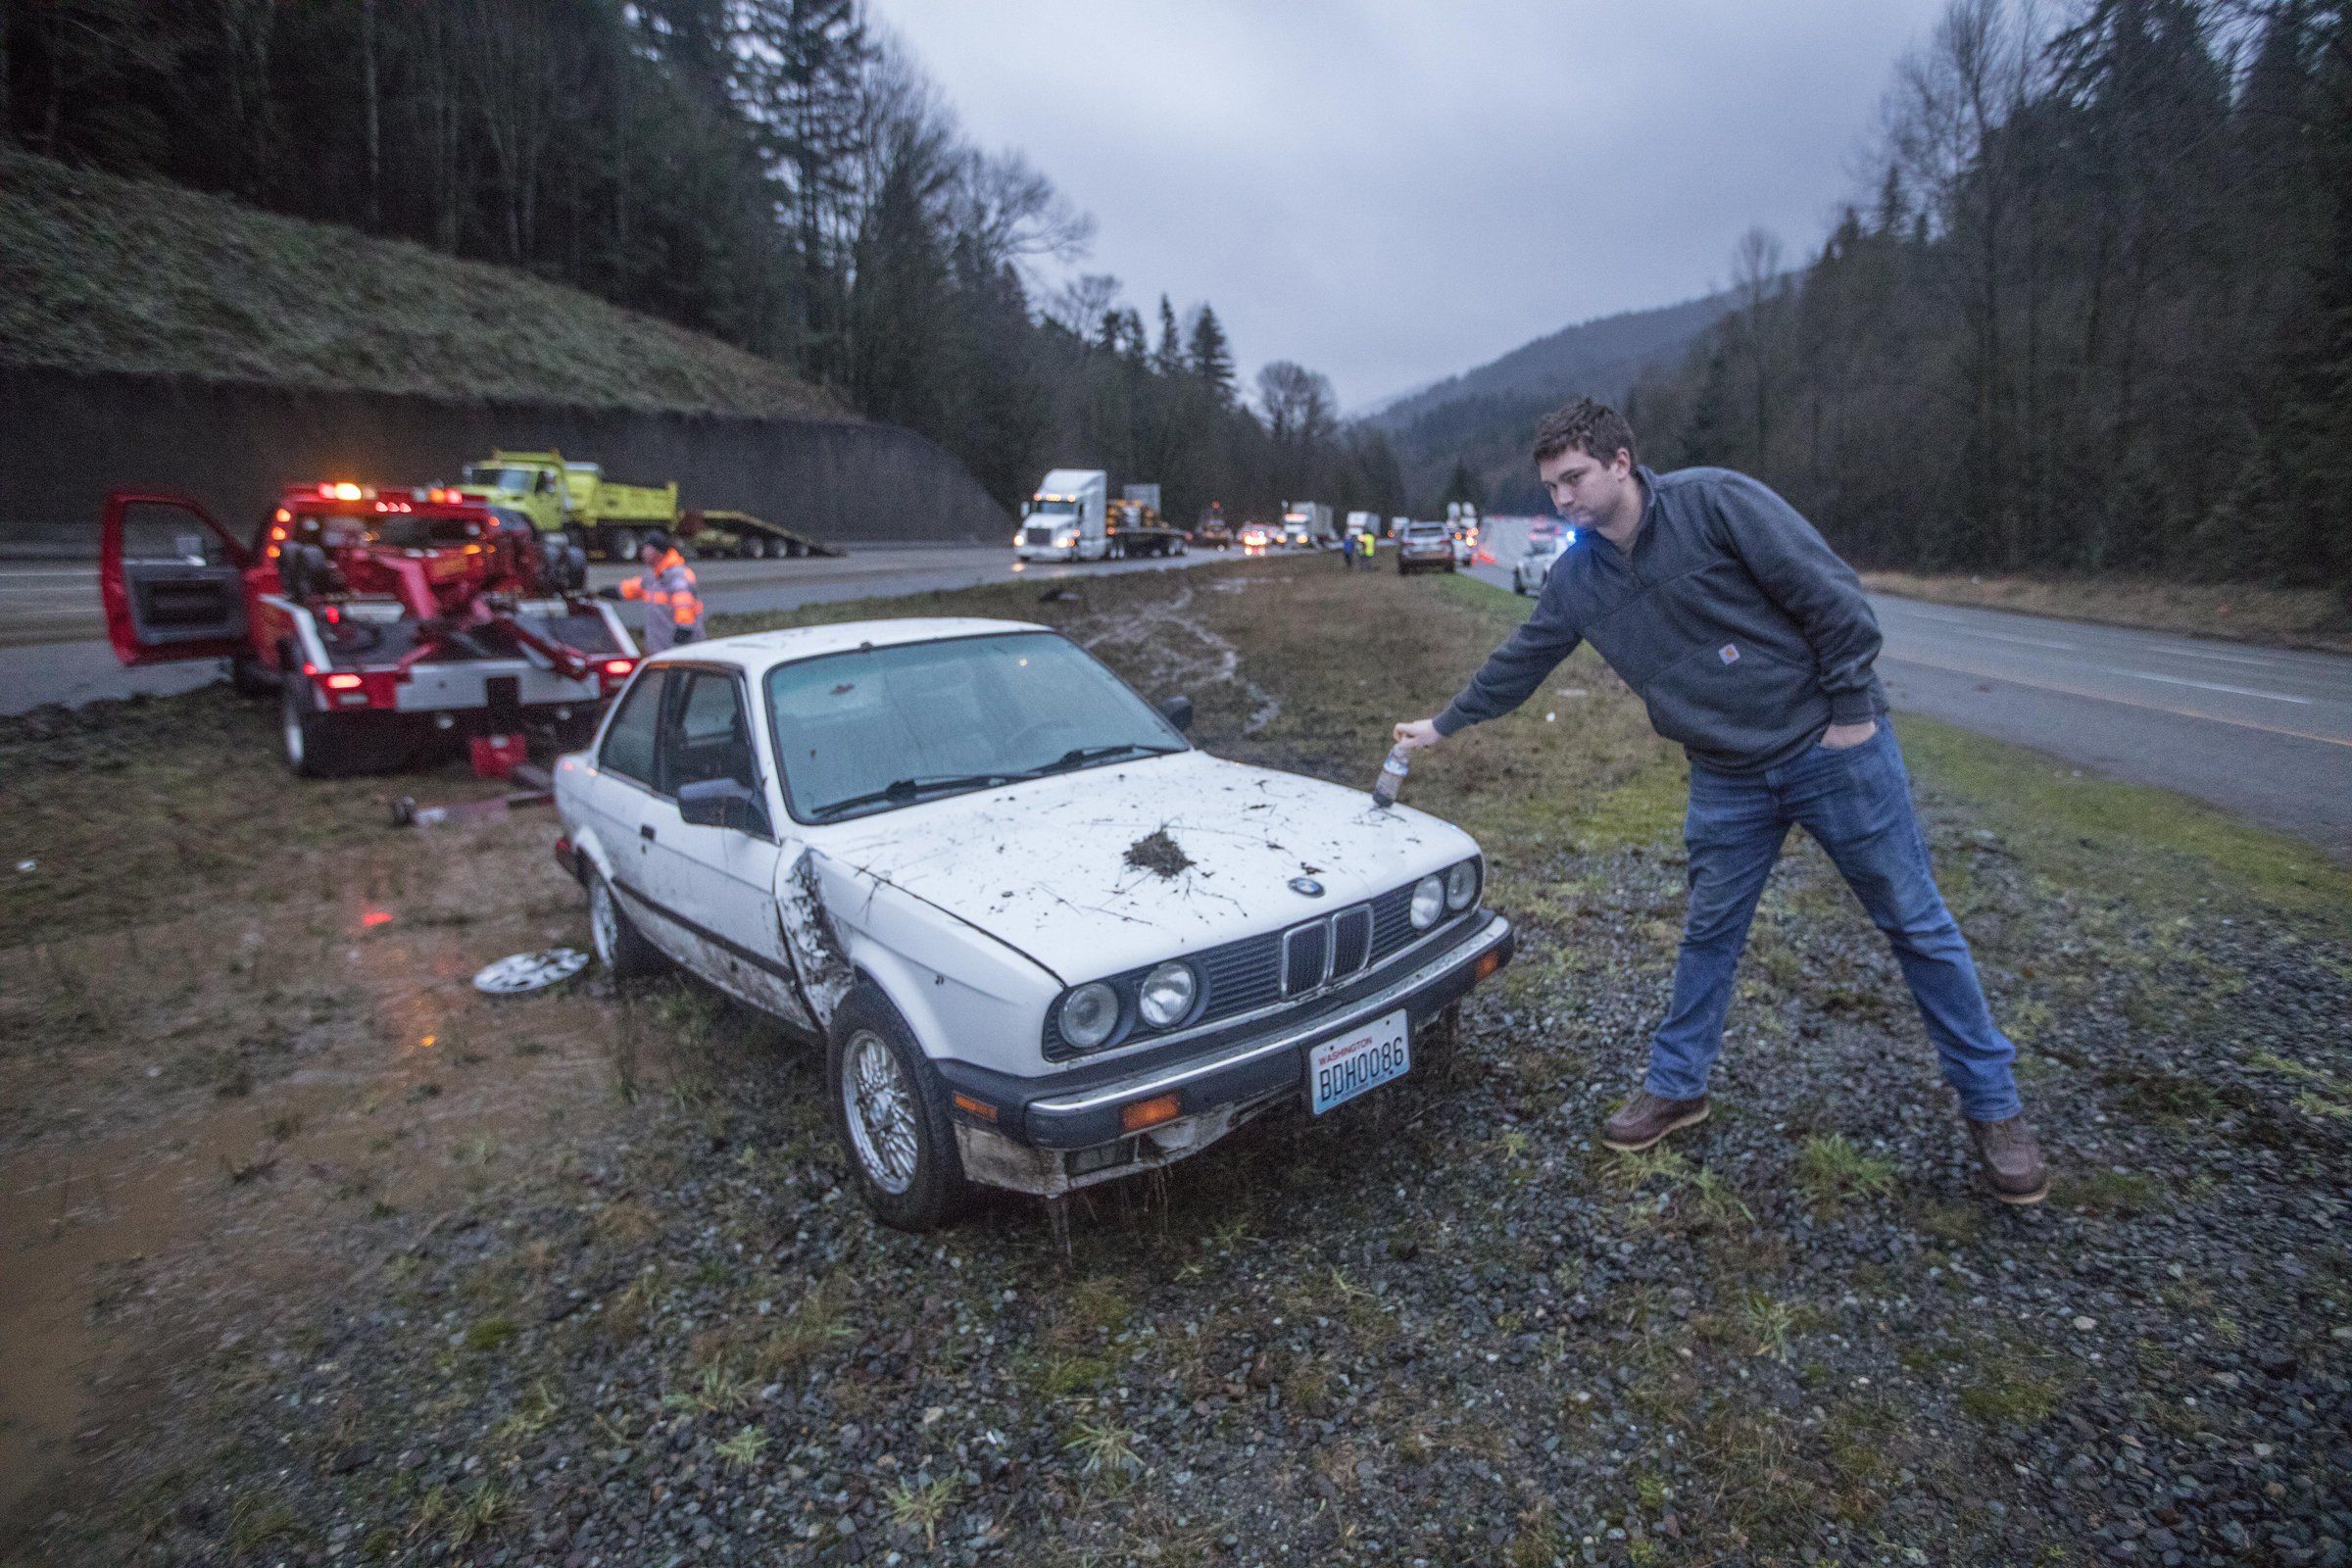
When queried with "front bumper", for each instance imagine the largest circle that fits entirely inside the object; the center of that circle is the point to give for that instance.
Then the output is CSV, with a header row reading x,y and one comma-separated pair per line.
x,y
1037,1121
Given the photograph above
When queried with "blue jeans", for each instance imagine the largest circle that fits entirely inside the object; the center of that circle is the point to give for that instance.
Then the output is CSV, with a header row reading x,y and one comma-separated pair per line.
x,y
1856,802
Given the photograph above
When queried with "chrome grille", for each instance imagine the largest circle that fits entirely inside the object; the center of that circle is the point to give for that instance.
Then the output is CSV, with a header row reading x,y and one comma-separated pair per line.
x,y
1350,941
1305,957
1258,972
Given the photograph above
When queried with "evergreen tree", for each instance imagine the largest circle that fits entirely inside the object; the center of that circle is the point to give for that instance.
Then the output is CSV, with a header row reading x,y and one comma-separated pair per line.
x,y
1463,485
1168,357
1210,356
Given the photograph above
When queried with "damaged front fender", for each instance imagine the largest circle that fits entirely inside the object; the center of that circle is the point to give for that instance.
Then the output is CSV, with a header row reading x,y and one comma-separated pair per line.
x,y
818,955
962,990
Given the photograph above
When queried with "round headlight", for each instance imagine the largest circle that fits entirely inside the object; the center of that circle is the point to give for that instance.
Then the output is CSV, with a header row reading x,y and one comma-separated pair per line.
x,y
1089,1014
1167,995
1461,886
1428,901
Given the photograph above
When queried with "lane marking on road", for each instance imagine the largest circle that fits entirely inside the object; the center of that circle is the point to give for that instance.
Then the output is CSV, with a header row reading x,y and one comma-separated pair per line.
x,y
2121,701
2278,664
2210,686
2005,637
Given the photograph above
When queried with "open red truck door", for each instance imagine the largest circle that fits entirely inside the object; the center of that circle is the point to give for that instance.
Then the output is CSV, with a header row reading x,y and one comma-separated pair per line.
x,y
171,578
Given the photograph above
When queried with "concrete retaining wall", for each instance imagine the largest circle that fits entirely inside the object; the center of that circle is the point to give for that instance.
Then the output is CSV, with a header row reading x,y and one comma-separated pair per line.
x,y
67,439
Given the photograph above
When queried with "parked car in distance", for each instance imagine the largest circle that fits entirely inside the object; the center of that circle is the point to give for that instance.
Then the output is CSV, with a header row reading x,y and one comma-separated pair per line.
x,y
1044,941
1425,547
1256,539
1545,545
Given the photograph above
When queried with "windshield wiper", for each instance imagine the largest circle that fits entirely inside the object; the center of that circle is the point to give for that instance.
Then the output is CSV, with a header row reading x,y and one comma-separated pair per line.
x,y
1080,756
909,789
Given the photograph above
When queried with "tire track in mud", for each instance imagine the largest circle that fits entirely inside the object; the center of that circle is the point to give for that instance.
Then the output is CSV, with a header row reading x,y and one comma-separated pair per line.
x,y
1178,649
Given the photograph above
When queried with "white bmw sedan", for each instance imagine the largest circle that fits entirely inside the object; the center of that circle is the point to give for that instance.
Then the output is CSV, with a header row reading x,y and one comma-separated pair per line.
x,y
1044,941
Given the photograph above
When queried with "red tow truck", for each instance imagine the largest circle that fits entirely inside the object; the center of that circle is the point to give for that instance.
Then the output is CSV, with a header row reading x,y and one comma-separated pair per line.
x,y
382,620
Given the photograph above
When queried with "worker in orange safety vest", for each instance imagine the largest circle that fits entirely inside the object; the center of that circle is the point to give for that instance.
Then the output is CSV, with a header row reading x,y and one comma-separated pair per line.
x,y
673,611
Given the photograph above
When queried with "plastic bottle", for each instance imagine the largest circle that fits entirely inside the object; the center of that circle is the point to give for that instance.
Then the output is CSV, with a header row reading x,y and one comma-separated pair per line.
x,y
1391,776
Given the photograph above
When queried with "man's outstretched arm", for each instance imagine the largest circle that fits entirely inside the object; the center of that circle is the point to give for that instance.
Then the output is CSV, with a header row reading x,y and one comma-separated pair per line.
x,y
1511,674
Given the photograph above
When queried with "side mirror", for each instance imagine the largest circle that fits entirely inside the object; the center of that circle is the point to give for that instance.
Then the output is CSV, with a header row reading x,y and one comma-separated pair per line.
x,y
1178,711
719,803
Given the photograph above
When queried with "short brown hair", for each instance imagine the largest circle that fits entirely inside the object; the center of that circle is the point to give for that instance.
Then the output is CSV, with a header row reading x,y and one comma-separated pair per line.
x,y
1594,428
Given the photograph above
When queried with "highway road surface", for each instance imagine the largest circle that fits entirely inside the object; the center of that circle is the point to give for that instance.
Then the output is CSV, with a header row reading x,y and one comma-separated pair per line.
x,y
2263,732
52,633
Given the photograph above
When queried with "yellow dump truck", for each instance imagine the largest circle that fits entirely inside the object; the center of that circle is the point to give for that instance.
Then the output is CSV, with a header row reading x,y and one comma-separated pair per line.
x,y
609,518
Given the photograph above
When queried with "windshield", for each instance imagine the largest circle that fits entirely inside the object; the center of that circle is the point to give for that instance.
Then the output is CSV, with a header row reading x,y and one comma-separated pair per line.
x,y
1054,509
496,478
884,728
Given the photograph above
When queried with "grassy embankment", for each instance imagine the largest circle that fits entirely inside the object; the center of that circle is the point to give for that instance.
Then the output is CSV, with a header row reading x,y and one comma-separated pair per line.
x,y
2283,618
1444,1326
150,278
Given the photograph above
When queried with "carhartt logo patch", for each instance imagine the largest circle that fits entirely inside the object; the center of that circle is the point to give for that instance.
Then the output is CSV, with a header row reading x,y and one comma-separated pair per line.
x,y
1727,653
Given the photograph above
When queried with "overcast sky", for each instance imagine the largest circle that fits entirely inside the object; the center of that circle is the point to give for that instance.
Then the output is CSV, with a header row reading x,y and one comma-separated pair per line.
x,y
1392,190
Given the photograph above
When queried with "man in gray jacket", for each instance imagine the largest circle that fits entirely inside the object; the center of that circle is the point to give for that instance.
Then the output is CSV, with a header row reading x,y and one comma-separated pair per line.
x,y
1751,644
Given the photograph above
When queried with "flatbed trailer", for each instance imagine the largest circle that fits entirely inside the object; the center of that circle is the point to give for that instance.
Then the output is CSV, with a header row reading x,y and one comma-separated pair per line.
x,y
716,532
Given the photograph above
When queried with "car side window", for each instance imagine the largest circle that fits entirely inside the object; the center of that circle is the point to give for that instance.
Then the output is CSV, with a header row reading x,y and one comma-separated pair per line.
x,y
628,748
706,734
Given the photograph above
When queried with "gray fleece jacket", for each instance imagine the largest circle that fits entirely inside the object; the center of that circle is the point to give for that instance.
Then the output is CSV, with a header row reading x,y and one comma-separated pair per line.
x,y
1732,618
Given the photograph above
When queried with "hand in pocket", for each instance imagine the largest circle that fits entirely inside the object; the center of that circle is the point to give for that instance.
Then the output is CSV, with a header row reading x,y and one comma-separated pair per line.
x,y
1841,737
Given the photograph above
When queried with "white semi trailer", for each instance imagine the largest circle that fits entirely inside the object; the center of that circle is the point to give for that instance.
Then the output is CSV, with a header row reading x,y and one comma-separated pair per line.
x,y
1064,519
1072,518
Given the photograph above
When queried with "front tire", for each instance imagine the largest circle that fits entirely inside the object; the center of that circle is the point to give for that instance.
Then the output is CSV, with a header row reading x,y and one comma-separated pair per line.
x,y
316,746
620,946
890,1115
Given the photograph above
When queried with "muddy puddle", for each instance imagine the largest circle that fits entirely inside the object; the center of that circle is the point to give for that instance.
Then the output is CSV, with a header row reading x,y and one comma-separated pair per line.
x,y
168,1190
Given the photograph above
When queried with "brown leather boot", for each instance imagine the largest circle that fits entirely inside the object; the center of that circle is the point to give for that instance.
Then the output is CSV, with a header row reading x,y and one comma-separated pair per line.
x,y
2013,1164
1646,1118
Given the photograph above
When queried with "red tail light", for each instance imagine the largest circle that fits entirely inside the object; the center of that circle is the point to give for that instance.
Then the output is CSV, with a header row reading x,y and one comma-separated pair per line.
x,y
619,667
344,683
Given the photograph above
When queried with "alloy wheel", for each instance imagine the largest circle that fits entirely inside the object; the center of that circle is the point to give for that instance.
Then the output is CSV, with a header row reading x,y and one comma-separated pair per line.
x,y
880,1109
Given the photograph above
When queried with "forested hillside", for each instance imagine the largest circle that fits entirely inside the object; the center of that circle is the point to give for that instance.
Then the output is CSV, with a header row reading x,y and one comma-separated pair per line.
x,y
1466,438
2098,314
772,174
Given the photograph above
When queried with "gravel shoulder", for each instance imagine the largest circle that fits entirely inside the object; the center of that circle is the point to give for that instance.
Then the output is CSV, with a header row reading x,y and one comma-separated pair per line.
x,y
1444,1325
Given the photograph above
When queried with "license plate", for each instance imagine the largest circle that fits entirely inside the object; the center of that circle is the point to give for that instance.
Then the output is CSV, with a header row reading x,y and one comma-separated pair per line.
x,y
1340,1069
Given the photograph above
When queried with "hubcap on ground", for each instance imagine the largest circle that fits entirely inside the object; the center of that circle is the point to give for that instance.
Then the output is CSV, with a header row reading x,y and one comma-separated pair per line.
x,y
880,1106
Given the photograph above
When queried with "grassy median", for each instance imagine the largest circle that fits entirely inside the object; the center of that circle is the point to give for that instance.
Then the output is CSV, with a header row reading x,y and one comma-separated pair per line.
x,y
579,1279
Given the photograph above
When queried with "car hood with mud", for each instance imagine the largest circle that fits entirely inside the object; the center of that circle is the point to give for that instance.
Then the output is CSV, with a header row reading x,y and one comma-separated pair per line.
x,y
1093,872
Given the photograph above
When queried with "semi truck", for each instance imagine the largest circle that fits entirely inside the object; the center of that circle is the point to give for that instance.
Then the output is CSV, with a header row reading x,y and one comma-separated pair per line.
x,y
1072,518
609,518
1306,523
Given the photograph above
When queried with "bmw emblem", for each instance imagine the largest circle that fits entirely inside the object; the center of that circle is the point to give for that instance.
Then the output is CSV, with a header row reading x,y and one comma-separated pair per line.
x,y
1307,885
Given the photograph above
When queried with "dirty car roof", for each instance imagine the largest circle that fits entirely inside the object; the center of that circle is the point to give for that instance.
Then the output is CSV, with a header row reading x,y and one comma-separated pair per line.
x,y
759,650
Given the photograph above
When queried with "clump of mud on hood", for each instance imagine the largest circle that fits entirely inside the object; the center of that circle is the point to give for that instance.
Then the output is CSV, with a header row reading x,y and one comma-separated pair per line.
x,y
1158,854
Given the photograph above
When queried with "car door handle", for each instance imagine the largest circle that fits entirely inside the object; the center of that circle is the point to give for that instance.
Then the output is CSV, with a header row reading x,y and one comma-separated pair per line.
x,y
645,830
